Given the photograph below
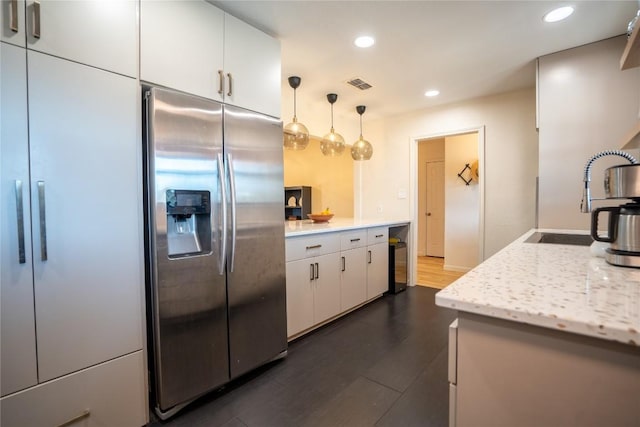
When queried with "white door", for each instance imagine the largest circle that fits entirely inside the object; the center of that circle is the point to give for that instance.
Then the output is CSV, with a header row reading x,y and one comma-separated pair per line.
x,y
299,295
181,46
18,337
353,278
102,34
435,209
326,292
85,178
13,23
377,269
252,59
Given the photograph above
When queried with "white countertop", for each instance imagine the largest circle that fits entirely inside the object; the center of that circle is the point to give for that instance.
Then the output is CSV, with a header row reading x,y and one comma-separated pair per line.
x,y
305,227
560,287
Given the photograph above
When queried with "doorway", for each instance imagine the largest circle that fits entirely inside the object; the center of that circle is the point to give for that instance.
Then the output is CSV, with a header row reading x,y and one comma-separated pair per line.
x,y
448,211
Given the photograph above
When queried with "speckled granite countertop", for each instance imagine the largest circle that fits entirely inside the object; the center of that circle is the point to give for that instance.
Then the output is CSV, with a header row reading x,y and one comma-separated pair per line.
x,y
300,228
553,286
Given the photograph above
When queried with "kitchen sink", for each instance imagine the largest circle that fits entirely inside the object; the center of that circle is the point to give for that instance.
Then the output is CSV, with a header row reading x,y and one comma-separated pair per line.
x,y
560,238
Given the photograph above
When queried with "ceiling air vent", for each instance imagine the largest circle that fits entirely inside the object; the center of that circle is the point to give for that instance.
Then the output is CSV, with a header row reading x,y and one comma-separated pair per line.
x,y
359,83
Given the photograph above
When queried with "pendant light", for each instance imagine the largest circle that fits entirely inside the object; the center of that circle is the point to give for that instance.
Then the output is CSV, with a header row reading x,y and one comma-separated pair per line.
x,y
361,149
332,144
296,135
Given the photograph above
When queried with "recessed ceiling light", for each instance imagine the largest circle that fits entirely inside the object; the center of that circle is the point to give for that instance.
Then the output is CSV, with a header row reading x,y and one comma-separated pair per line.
x,y
432,92
364,41
558,14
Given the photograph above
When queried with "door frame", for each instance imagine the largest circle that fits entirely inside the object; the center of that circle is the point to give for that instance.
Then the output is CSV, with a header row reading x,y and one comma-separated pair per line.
x,y
413,188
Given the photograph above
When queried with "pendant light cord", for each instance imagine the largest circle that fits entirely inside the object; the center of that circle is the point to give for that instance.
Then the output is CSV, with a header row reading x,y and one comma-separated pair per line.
x,y
295,118
332,118
360,125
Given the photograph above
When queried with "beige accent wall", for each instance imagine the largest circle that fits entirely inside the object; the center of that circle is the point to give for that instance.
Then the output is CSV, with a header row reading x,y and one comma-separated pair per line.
x,y
330,178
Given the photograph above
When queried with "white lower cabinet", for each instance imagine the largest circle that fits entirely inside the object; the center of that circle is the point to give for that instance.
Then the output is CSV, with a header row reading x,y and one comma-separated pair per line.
x,y
353,278
377,261
109,394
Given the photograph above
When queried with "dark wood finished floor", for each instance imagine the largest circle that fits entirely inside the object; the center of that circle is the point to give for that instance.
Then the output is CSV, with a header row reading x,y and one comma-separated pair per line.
x,y
382,365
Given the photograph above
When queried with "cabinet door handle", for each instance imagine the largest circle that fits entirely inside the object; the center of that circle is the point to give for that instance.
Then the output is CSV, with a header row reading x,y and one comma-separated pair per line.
x,y
317,271
13,11
369,257
220,82
75,419
230,84
355,240
314,247
344,264
20,217
36,19
379,235
43,222
312,272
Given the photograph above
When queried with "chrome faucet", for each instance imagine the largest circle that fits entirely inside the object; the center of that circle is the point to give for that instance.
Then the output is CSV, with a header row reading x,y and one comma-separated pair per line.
x,y
585,204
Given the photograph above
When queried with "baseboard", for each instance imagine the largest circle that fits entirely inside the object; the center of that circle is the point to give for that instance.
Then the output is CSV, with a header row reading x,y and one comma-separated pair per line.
x,y
456,268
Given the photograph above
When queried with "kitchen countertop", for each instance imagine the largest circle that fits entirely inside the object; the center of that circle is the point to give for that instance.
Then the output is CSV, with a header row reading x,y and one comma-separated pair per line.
x,y
560,287
306,227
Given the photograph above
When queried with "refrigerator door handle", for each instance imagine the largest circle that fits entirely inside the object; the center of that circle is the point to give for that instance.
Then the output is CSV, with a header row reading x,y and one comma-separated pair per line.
x,y
223,214
232,191
43,222
20,216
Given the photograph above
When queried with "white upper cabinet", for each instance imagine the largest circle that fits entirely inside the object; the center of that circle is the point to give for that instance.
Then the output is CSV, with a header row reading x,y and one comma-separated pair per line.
x,y
194,47
252,68
95,33
12,21
181,46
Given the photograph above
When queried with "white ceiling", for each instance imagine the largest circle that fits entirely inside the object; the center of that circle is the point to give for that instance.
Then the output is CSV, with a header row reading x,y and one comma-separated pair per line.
x,y
466,49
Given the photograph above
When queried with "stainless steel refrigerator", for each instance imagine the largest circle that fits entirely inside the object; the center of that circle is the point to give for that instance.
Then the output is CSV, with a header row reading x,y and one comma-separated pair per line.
x,y
214,245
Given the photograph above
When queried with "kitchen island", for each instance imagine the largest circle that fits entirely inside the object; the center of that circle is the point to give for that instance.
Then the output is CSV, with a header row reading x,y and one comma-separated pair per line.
x,y
335,267
547,334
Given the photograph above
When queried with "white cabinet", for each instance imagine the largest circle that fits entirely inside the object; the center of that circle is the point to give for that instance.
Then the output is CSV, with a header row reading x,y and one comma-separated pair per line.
x,y
181,46
377,261
195,47
82,277
313,281
353,272
13,22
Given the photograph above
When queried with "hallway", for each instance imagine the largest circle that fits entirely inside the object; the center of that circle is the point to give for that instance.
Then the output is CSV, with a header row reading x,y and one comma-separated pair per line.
x,y
431,273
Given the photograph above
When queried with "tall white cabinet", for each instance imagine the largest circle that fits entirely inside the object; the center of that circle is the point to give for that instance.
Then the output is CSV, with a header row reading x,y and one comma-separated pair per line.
x,y
71,225
196,48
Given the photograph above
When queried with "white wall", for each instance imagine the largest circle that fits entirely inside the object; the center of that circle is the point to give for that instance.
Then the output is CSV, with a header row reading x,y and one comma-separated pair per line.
x,y
586,105
462,204
511,162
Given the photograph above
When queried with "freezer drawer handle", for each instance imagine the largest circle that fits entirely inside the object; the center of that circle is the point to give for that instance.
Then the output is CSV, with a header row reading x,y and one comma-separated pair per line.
x,y
369,257
223,196
13,6
232,185
355,240
43,222
230,84
221,82
311,272
20,216
314,247
36,19
344,264
83,414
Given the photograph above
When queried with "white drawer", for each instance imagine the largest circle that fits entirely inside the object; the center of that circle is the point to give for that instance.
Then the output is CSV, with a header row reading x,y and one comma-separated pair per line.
x,y
110,394
353,239
377,235
311,245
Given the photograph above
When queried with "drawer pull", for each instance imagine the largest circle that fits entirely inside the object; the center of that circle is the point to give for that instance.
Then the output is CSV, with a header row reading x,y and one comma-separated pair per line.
x,y
379,235
314,247
83,414
355,240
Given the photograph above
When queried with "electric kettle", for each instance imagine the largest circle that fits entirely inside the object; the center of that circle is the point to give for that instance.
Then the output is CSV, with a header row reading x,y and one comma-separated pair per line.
x,y
623,231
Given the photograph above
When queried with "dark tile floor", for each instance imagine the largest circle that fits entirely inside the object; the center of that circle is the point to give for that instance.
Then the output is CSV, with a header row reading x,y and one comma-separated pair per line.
x,y
382,365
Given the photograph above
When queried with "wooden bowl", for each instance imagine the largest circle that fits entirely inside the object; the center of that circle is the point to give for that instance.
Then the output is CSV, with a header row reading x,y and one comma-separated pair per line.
x,y
320,217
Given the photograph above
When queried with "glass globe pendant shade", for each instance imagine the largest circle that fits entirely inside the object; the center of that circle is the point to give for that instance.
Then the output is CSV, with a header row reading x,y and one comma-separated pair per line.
x,y
361,149
296,135
332,144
